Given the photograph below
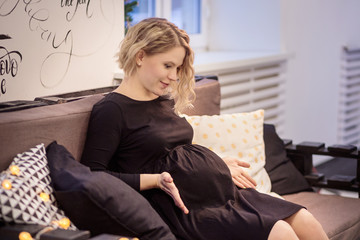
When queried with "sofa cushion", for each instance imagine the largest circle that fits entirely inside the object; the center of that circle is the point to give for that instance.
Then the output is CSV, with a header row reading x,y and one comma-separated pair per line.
x,y
238,135
26,194
100,202
339,216
285,178
65,123
205,105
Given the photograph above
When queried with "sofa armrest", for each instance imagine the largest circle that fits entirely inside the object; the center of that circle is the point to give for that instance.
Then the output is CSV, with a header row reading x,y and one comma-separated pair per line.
x,y
302,156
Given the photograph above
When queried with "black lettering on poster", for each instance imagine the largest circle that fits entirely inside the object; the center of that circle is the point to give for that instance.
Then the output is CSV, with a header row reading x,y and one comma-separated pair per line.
x,y
38,20
9,64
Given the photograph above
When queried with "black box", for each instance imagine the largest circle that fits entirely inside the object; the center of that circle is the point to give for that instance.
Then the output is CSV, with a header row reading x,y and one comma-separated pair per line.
x,y
342,148
341,180
314,177
310,146
62,234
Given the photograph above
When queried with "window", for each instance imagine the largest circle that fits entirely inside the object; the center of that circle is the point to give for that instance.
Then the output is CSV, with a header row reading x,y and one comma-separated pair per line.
x,y
135,11
186,14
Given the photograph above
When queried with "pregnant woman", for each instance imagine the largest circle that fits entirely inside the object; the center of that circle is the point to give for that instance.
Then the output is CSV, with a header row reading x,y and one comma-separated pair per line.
x,y
136,134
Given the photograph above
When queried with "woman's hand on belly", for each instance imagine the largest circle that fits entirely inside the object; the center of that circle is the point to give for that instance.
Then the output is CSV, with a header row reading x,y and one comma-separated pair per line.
x,y
240,177
165,182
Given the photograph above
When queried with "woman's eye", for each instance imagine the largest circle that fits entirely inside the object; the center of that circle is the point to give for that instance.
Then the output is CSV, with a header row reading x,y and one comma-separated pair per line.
x,y
167,66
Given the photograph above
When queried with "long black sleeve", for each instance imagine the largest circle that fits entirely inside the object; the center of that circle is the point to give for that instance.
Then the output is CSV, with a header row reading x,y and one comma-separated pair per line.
x,y
102,141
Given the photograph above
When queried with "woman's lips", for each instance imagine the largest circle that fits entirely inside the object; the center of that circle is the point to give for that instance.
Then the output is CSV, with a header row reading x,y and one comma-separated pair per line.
x,y
165,85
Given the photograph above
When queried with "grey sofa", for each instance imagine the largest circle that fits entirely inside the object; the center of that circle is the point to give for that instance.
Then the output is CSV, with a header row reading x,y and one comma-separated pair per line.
x,y
67,124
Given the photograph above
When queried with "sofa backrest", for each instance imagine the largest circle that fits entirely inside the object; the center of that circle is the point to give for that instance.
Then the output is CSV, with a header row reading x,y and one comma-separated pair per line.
x,y
67,122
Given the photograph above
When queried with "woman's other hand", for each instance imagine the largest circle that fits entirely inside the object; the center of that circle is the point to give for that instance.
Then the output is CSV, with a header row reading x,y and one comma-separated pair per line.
x,y
240,177
166,183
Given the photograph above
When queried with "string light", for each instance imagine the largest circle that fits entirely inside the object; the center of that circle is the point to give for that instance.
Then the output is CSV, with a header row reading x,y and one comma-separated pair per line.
x,y
25,236
14,170
6,184
64,223
44,196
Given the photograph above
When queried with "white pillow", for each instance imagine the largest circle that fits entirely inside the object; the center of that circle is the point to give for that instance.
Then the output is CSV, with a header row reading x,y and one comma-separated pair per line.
x,y
238,135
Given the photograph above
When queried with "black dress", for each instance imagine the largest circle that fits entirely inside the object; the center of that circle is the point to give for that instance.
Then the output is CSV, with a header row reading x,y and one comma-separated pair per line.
x,y
128,137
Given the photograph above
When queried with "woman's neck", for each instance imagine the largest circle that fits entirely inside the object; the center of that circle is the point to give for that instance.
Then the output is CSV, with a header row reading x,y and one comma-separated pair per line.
x,y
129,87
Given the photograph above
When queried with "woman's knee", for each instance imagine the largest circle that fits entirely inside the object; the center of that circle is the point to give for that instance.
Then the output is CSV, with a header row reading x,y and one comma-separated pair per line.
x,y
305,224
303,218
282,230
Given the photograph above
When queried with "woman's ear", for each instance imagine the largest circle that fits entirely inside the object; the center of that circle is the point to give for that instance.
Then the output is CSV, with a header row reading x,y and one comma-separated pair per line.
x,y
140,57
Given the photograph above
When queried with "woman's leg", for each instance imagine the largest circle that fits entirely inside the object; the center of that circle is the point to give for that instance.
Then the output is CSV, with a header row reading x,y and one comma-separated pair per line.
x,y
282,231
306,226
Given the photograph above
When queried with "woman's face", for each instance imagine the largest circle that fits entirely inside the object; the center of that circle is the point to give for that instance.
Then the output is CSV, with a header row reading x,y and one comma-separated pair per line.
x,y
156,72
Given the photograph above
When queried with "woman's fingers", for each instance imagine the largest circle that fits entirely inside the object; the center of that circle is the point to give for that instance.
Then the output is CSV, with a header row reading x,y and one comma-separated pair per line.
x,y
168,186
243,164
235,161
242,183
250,179
242,176
245,182
243,179
178,201
238,183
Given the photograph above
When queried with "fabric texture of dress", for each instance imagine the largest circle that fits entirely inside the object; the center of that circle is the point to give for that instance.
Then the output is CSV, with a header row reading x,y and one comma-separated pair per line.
x,y
127,137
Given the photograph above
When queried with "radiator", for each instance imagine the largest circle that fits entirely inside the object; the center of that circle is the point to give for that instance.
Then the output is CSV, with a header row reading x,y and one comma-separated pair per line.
x,y
248,87
349,101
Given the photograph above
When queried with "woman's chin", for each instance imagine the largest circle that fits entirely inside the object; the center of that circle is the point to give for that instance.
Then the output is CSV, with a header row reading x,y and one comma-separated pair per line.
x,y
162,92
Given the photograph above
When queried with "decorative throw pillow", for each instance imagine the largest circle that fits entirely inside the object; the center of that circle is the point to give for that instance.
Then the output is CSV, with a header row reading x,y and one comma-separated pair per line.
x,y
26,195
238,135
285,178
100,202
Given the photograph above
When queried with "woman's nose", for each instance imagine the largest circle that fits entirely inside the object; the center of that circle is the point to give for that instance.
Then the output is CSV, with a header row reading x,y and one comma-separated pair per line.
x,y
173,74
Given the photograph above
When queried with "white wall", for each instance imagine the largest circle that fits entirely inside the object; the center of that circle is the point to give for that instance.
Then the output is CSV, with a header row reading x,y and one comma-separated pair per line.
x,y
56,47
244,25
314,32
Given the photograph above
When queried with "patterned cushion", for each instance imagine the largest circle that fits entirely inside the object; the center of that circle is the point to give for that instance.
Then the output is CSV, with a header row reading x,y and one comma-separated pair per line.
x,y
238,135
26,195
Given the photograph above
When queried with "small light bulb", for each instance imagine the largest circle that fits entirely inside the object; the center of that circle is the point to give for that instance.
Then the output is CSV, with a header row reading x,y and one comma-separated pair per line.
x,y
64,223
14,170
25,236
44,196
6,184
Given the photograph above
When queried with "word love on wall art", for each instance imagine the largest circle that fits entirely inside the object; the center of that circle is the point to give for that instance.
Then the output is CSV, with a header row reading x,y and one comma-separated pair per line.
x,y
9,64
56,46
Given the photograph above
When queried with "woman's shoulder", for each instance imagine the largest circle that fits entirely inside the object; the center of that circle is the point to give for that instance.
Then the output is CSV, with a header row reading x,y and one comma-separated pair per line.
x,y
119,101
110,101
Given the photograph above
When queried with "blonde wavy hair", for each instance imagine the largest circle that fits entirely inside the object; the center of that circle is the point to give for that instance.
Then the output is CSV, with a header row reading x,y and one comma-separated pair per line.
x,y
158,35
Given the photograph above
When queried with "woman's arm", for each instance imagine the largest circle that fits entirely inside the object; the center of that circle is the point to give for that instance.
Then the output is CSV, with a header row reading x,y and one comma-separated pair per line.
x,y
102,141
149,181
165,182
